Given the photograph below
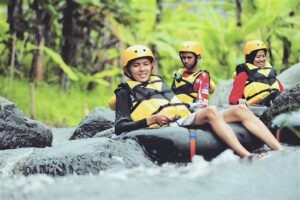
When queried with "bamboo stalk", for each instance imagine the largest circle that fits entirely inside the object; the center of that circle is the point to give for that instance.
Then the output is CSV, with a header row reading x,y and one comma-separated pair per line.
x,y
32,100
12,67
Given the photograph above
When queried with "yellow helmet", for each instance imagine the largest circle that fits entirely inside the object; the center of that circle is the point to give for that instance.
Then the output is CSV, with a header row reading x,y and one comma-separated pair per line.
x,y
133,52
191,47
253,45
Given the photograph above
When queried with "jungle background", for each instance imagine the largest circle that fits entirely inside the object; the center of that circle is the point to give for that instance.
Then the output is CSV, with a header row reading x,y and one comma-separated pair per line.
x,y
60,58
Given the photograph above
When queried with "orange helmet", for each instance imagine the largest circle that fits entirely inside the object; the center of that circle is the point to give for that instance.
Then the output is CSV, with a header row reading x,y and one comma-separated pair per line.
x,y
193,47
254,45
133,52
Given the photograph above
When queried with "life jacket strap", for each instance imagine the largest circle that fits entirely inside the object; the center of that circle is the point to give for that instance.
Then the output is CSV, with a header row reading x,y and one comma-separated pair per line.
x,y
262,91
167,105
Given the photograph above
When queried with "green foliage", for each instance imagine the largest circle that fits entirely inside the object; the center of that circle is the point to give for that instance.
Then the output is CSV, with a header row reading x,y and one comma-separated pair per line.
x,y
55,107
105,28
57,59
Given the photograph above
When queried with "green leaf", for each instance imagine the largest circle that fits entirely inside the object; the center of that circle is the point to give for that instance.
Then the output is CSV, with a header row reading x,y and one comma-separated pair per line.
x,y
58,59
89,2
111,73
3,27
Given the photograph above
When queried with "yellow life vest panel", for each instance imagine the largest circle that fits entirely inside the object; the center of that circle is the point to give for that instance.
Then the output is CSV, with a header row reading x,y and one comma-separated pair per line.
x,y
183,86
152,98
112,102
260,83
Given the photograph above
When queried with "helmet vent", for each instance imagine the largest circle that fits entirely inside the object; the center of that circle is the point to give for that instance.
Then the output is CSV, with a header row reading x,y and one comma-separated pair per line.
x,y
135,51
144,49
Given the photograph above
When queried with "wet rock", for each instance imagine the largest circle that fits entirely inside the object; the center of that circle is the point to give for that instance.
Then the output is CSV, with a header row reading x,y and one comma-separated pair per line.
x,y
98,120
16,130
89,156
280,119
287,101
221,94
290,77
109,133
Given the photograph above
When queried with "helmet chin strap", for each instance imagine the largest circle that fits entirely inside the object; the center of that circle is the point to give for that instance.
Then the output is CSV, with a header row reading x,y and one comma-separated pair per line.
x,y
128,73
196,62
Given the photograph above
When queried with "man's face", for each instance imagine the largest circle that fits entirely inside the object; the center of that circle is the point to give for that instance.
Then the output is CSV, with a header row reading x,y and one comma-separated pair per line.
x,y
188,59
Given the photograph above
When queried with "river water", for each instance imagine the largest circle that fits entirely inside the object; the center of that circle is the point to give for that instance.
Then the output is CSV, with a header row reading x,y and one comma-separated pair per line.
x,y
274,176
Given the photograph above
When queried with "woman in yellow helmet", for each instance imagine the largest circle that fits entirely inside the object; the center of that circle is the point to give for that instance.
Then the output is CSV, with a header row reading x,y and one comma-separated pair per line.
x,y
255,81
145,101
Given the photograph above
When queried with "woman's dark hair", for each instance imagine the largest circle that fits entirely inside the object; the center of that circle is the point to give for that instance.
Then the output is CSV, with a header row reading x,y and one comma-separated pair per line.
x,y
249,58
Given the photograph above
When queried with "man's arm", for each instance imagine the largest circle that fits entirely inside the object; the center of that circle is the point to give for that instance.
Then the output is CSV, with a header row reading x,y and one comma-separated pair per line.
x,y
201,86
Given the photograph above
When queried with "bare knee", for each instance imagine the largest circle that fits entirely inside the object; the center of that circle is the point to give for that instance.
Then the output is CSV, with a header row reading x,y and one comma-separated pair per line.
x,y
242,111
212,113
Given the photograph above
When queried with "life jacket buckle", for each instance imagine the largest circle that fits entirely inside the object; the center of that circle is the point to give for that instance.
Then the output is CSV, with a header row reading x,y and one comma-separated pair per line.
x,y
177,75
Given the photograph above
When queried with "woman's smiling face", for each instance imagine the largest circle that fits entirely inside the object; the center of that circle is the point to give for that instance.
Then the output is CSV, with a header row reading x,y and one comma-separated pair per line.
x,y
140,69
260,59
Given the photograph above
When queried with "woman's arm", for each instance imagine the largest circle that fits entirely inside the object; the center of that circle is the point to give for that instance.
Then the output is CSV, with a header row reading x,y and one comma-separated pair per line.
x,y
280,86
238,88
123,122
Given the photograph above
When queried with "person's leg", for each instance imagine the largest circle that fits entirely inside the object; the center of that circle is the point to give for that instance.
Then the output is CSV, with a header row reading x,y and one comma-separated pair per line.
x,y
241,113
219,126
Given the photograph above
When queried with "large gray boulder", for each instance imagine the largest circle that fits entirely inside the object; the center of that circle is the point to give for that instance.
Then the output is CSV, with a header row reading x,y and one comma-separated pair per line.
x,y
88,156
98,120
282,118
287,101
16,130
290,77
221,94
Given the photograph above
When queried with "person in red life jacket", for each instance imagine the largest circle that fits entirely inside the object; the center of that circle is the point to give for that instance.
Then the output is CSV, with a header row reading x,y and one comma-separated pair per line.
x,y
145,101
190,84
255,81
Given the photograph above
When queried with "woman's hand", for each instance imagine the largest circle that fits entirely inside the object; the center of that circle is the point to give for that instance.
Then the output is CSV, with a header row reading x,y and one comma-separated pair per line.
x,y
243,101
160,119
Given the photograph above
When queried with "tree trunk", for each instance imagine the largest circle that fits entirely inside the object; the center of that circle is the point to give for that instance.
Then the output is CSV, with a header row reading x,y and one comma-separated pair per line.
x,y
16,27
69,39
286,51
15,18
238,13
39,61
12,66
32,100
43,19
32,74
157,21
270,50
